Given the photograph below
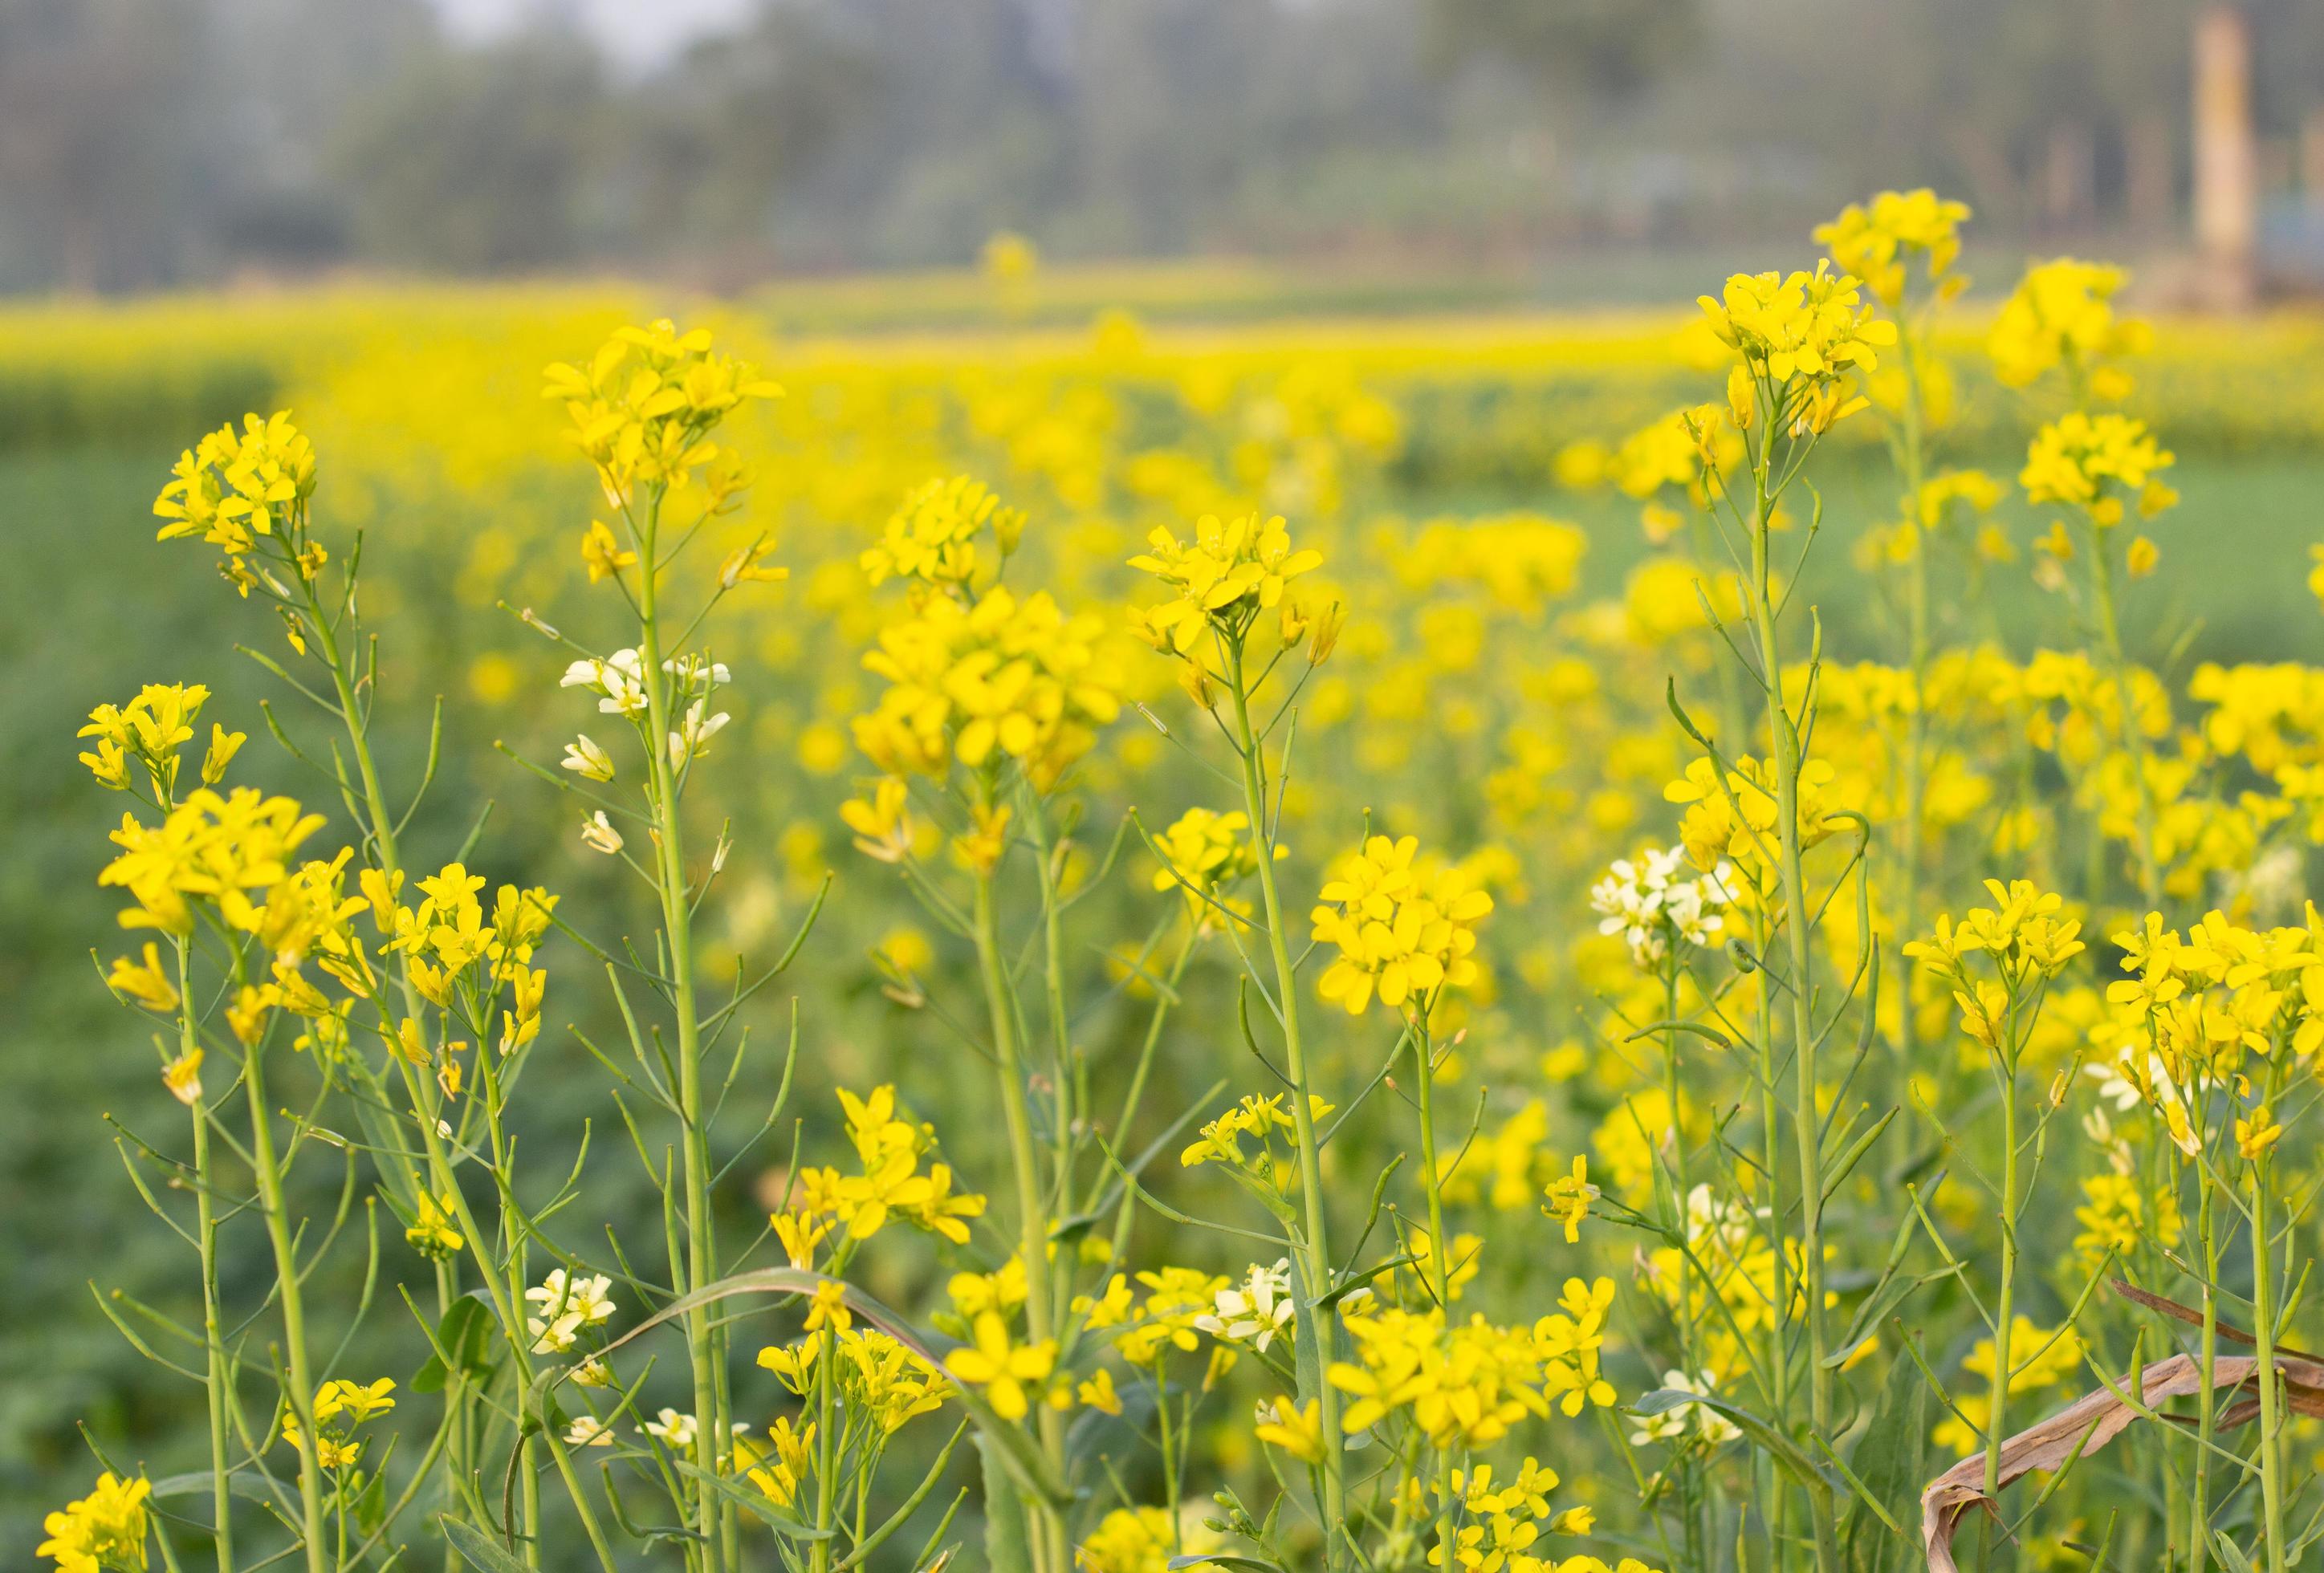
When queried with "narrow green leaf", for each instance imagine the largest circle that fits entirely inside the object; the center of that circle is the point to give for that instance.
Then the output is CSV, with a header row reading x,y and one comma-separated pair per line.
x,y
1008,1549
481,1550
1772,1442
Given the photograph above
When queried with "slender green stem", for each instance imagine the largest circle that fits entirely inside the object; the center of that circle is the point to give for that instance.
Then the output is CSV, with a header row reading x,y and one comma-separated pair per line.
x,y
218,1370
1784,746
712,1522
2134,740
503,1301
1690,1357
1913,852
827,1483
2198,1504
1316,1257
1775,1502
2004,1310
1137,1076
1440,1270
381,824
1062,1079
2271,1382
1033,1223
292,1299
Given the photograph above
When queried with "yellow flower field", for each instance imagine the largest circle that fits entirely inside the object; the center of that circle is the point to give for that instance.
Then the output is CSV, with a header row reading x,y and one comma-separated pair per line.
x,y
1538,943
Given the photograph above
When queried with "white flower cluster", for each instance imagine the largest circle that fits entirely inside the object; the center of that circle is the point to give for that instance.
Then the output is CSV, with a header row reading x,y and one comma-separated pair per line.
x,y
1646,902
1721,1228
1672,1424
2126,1083
566,1307
1255,1312
673,1429
619,683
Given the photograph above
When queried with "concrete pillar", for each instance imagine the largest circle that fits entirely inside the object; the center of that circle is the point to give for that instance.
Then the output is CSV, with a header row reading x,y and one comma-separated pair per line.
x,y
2227,172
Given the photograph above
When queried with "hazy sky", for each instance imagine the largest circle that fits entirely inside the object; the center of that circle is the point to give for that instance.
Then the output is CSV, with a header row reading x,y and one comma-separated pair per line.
x,y
636,32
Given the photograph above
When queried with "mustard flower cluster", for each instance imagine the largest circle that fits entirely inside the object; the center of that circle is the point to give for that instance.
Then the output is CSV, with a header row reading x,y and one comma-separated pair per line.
x,y
1404,932
2093,462
1876,240
105,1532
932,537
642,408
2061,316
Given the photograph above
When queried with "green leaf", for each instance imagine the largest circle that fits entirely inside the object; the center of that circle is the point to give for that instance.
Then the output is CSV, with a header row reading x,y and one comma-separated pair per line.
x,y
1306,1358
1097,1440
1891,1294
1223,1559
465,1334
1891,1459
758,1504
242,1482
481,1550
370,1510
1840,1170
1777,1446
1007,1547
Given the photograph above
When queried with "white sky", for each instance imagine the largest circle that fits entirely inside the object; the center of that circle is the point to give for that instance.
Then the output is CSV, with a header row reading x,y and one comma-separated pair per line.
x,y
637,33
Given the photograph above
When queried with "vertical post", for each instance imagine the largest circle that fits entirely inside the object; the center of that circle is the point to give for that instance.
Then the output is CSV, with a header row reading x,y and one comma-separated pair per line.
x,y
2227,173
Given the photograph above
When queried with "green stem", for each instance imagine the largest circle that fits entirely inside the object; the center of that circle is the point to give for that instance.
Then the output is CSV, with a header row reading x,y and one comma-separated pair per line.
x,y
1169,1468
2271,1384
1033,1224
1785,745
439,1176
381,823
2133,741
1314,1257
1689,1356
827,1483
504,1304
1062,1078
714,1524
2005,1303
1775,1502
1138,1077
1916,739
1440,1269
219,1370
267,1168
2199,1505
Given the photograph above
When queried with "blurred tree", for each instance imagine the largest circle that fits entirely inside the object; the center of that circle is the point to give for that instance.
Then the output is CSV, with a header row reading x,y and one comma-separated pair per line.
x,y
146,141
1606,48
963,129
472,161
286,72
710,143
106,141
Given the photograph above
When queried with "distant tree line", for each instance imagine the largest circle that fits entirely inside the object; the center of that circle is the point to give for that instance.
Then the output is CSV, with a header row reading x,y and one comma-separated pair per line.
x,y
148,142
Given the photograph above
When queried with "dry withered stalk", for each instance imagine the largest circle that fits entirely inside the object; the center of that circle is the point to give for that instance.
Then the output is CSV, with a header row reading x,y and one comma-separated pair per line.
x,y
2096,1419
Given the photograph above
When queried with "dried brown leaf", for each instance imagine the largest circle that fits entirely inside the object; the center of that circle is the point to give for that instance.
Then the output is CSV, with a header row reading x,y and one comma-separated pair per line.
x,y
2177,1312
2096,1419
